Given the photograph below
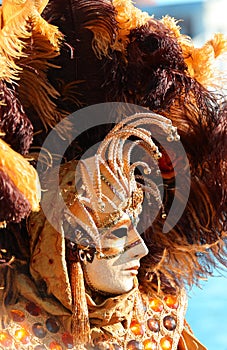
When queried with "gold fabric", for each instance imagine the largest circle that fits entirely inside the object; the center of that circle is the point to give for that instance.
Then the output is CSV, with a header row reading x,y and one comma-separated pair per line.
x,y
110,321
47,244
120,319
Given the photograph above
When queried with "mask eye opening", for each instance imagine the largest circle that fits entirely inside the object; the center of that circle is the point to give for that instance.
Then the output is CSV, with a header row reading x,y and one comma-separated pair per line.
x,y
120,232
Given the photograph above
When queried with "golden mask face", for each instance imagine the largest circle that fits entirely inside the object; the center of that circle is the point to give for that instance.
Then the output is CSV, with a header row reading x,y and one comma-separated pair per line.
x,y
117,264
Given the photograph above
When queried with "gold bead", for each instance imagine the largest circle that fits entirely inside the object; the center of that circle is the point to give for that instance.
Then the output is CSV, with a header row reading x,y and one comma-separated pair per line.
x,y
171,301
170,138
22,335
6,340
150,344
55,346
137,328
156,305
166,343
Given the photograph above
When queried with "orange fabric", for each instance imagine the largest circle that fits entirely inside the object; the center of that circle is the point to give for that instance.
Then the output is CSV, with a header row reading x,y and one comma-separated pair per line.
x,y
189,342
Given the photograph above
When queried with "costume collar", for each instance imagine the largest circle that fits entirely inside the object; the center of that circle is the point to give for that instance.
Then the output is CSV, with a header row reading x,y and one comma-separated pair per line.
x,y
112,310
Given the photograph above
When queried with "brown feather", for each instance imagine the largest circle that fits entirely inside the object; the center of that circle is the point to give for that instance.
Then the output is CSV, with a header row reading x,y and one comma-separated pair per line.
x,y
14,123
13,204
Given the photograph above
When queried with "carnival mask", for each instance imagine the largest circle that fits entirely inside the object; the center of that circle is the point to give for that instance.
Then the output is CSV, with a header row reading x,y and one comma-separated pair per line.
x,y
113,270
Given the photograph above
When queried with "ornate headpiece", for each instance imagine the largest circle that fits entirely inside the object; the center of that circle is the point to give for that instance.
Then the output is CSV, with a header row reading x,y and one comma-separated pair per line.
x,y
107,184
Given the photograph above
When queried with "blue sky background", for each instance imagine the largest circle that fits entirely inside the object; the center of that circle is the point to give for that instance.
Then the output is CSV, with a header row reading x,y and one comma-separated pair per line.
x,y
207,313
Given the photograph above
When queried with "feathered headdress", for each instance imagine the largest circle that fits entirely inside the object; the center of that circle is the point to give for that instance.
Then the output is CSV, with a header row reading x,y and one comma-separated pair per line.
x,y
27,42
115,52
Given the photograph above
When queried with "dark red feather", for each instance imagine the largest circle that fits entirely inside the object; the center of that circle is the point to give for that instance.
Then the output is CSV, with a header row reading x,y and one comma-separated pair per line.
x,y
13,205
14,123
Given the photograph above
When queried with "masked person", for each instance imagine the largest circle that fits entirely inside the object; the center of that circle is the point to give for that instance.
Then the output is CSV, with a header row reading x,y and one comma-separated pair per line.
x,y
50,294
80,289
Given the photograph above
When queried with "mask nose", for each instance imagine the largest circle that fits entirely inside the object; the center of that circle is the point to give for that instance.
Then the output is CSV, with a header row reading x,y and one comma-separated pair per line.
x,y
138,247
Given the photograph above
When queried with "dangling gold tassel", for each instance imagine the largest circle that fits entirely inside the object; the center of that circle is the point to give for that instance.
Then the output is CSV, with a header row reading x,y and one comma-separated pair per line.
x,y
80,319
7,285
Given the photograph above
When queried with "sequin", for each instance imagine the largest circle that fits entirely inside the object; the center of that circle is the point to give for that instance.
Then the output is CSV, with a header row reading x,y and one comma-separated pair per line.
x,y
156,305
55,346
171,301
137,328
166,343
5,339
67,340
153,324
22,335
134,345
33,309
169,323
38,330
17,315
150,344
52,325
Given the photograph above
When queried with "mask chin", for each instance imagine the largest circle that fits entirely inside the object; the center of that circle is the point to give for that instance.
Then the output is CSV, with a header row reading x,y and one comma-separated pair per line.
x,y
108,277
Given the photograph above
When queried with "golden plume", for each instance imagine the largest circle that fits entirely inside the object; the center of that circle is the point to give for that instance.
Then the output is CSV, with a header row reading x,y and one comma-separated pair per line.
x,y
200,61
27,43
128,17
20,189
20,20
